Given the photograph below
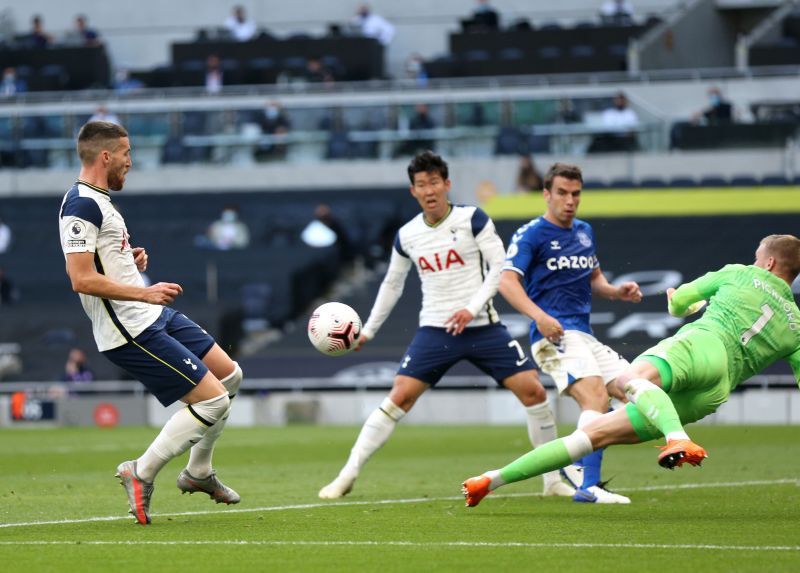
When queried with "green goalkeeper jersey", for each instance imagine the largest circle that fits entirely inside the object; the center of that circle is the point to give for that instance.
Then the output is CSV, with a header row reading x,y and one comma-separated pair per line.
x,y
752,311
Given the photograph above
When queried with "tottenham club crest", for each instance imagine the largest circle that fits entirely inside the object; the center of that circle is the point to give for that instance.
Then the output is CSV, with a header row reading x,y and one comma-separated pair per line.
x,y
584,239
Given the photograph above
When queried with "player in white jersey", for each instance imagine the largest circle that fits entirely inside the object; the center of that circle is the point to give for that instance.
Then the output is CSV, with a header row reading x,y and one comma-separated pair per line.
x,y
171,355
458,256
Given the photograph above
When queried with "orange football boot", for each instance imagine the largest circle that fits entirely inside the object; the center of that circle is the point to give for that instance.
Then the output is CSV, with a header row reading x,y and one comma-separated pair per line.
x,y
475,489
679,452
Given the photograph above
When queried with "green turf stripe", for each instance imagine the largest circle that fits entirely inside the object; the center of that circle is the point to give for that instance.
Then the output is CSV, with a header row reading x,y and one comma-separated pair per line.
x,y
651,203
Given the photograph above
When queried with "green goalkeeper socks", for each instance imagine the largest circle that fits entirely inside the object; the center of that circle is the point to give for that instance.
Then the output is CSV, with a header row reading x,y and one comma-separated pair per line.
x,y
547,457
654,404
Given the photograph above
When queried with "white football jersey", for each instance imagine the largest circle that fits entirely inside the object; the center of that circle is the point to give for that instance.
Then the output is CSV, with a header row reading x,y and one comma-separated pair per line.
x,y
89,222
459,261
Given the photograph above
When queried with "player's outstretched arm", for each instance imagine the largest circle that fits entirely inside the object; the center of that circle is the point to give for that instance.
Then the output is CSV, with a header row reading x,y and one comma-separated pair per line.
x,y
388,294
362,340
627,291
86,280
512,290
683,307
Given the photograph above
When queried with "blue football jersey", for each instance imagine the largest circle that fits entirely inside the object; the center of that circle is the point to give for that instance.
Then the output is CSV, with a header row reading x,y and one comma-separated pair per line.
x,y
556,265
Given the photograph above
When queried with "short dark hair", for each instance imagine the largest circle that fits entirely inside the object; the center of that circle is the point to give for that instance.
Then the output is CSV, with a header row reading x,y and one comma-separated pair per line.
x,y
428,162
786,250
97,136
565,170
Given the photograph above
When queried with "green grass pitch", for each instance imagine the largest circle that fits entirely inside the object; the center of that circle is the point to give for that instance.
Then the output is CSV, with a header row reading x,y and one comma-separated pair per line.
x,y
739,512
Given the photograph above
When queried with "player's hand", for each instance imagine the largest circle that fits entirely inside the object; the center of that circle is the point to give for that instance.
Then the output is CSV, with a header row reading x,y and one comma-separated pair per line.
x,y
362,340
456,324
550,328
140,258
629,291
162,293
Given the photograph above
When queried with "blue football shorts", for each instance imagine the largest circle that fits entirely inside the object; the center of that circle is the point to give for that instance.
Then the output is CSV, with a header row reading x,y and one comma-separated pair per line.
x,y
433,351
167,357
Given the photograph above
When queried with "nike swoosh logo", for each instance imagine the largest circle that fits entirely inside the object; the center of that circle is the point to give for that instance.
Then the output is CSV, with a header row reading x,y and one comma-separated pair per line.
x,y
523,361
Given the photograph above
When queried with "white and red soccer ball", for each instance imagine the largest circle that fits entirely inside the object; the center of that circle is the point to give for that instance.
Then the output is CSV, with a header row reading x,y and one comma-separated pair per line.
x,y
334,328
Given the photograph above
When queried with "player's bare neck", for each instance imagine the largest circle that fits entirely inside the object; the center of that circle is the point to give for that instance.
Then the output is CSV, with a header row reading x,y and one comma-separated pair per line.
x,y
551,219
433,219
92,177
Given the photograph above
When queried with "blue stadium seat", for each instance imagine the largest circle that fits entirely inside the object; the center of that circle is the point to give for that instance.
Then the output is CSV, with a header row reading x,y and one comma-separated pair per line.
x,y
617,50
338,146
476,56
260,71
509,142
652,183
713,181
549,52
621,183
594,184
683,181
511,54
582,51
774,180
294,65
744,181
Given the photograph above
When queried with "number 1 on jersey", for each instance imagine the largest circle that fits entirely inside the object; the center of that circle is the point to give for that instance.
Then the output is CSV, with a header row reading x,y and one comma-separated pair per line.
x,y
758,325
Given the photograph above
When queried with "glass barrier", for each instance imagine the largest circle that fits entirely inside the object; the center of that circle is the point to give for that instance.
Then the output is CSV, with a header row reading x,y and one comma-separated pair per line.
x,y
240,132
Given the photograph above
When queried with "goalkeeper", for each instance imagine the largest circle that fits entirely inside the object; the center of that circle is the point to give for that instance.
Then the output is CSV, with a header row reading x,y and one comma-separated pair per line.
x,y
751,322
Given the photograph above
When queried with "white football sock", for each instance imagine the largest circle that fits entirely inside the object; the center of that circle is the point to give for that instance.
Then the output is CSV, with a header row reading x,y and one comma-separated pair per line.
x,y
199,465
497,480
375,432
587,416
578,445
542,429
186,427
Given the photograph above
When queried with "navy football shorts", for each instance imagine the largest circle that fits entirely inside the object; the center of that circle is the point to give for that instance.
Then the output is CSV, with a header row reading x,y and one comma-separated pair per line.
x,y
167,357
433,351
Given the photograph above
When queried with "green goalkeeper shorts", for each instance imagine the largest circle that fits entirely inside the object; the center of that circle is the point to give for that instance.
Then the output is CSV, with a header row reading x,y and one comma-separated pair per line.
x,y
693,365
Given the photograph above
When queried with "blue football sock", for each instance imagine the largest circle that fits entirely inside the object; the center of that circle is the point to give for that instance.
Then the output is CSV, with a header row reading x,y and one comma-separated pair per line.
x,y
591,468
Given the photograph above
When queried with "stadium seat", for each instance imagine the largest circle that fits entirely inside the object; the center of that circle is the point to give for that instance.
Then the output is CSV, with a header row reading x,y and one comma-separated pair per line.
x,y
682,181
334,66
621,183
774,180
338,146
652,183
510,142
294,65
617,50
594,184
173,151
476,56
232,71
260,71
582,51
713,181
549,52
744,181
512,54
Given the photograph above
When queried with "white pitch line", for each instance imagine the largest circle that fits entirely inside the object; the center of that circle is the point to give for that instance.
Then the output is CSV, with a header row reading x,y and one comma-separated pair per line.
x,y
467,544
387,502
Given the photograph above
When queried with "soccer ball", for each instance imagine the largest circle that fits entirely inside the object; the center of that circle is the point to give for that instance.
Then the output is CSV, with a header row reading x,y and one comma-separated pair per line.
x,y
334,328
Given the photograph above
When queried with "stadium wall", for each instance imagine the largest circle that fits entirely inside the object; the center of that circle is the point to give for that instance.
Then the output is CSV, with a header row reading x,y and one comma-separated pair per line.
x,y
467,173
490,406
